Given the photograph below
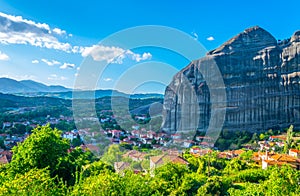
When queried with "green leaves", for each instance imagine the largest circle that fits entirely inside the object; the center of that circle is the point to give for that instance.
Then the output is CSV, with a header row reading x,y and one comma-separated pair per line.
x,y
43,165
41,149
33,182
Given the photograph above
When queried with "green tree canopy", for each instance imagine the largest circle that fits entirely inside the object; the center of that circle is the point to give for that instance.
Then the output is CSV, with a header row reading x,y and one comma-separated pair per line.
x,y
41,149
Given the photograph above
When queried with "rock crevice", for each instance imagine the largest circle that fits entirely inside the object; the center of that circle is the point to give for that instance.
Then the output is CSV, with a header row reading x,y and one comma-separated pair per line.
x,y
261,77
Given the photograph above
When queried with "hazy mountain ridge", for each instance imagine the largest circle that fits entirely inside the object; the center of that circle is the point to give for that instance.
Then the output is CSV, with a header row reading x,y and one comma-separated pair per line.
x,y
29,88
11,86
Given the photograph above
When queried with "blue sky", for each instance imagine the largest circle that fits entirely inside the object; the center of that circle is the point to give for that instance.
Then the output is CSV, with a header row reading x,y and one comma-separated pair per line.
x,y
47,41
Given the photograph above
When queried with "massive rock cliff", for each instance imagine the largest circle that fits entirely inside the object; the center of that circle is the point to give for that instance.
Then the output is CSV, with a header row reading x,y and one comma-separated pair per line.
x,y
261,78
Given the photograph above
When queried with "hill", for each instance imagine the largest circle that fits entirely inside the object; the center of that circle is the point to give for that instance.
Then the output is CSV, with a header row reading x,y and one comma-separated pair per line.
x,y
11,86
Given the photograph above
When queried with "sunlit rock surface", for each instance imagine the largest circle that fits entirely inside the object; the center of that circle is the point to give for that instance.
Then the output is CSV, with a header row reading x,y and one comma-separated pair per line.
x,y
261,77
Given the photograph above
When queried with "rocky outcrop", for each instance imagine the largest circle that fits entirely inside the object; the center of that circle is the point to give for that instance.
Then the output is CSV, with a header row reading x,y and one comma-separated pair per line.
x,y
260,80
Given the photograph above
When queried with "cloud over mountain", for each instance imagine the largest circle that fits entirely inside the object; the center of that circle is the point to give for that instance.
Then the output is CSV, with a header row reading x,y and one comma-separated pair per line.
x,y
112,54
17,30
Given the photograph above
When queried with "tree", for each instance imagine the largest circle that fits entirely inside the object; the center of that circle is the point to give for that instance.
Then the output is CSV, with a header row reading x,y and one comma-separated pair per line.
x,y
247,156
262,136
76,141
18,129
169,177
33,182
42,149
289,139
235,165
112,155
214,185
73,162
96,168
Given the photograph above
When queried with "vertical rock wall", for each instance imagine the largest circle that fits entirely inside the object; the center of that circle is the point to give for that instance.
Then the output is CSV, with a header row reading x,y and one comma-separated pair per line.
x,y
261,77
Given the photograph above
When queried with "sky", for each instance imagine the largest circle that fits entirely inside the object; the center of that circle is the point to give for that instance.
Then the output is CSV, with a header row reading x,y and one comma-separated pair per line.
x,y
49,41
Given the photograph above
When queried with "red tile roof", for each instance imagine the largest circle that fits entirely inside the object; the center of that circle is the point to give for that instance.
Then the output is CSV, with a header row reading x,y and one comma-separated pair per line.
x,y
295,150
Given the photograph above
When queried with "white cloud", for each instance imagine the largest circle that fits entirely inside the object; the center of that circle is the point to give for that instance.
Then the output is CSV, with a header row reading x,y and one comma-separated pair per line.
x,y
59,31
67,65
211,38
55,77
19,19
107,79
35,61
112,54
102,53
50,62
195,35
17,30
77,49
138,57
3,56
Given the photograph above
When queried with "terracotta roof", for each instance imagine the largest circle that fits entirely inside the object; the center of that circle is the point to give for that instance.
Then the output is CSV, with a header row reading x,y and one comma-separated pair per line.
x,y
6,152
295,150
284,158
135,154
5,159
223,155
238,152
270,162
91,147
281,137
121,165
162,159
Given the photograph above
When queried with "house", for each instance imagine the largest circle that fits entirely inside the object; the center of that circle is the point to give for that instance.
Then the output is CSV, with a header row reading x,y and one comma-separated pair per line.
x,y
93,148
277,137
264,145
294,153
164,142
157,161
151,134
136,127
136,133
156,146
69,135
147,141
176,136
201,138
279,160
6,124
188,143
121,166
5,157
195,150
115,140
206,144
116,133
224,155
135,155
236,153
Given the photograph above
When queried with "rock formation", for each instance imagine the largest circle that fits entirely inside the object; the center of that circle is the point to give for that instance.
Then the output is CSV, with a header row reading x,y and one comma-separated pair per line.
x,y
261,78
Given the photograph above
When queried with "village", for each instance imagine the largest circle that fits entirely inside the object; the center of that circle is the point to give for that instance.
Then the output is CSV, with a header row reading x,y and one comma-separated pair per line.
x,y
138,142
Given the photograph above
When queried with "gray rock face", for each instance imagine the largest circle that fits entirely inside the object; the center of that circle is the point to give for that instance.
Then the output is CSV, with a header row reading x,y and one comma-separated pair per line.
x,y
261,79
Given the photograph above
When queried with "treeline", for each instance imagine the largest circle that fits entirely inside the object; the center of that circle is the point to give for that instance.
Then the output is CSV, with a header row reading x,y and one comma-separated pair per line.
x,y
44,164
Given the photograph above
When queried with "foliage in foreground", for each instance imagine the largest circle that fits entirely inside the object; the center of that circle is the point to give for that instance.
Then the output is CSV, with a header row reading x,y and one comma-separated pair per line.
x,y
42,165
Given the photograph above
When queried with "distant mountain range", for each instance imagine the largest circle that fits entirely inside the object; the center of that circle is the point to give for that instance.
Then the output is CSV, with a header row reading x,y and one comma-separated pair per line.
x,y
90,94
11,86
31,88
